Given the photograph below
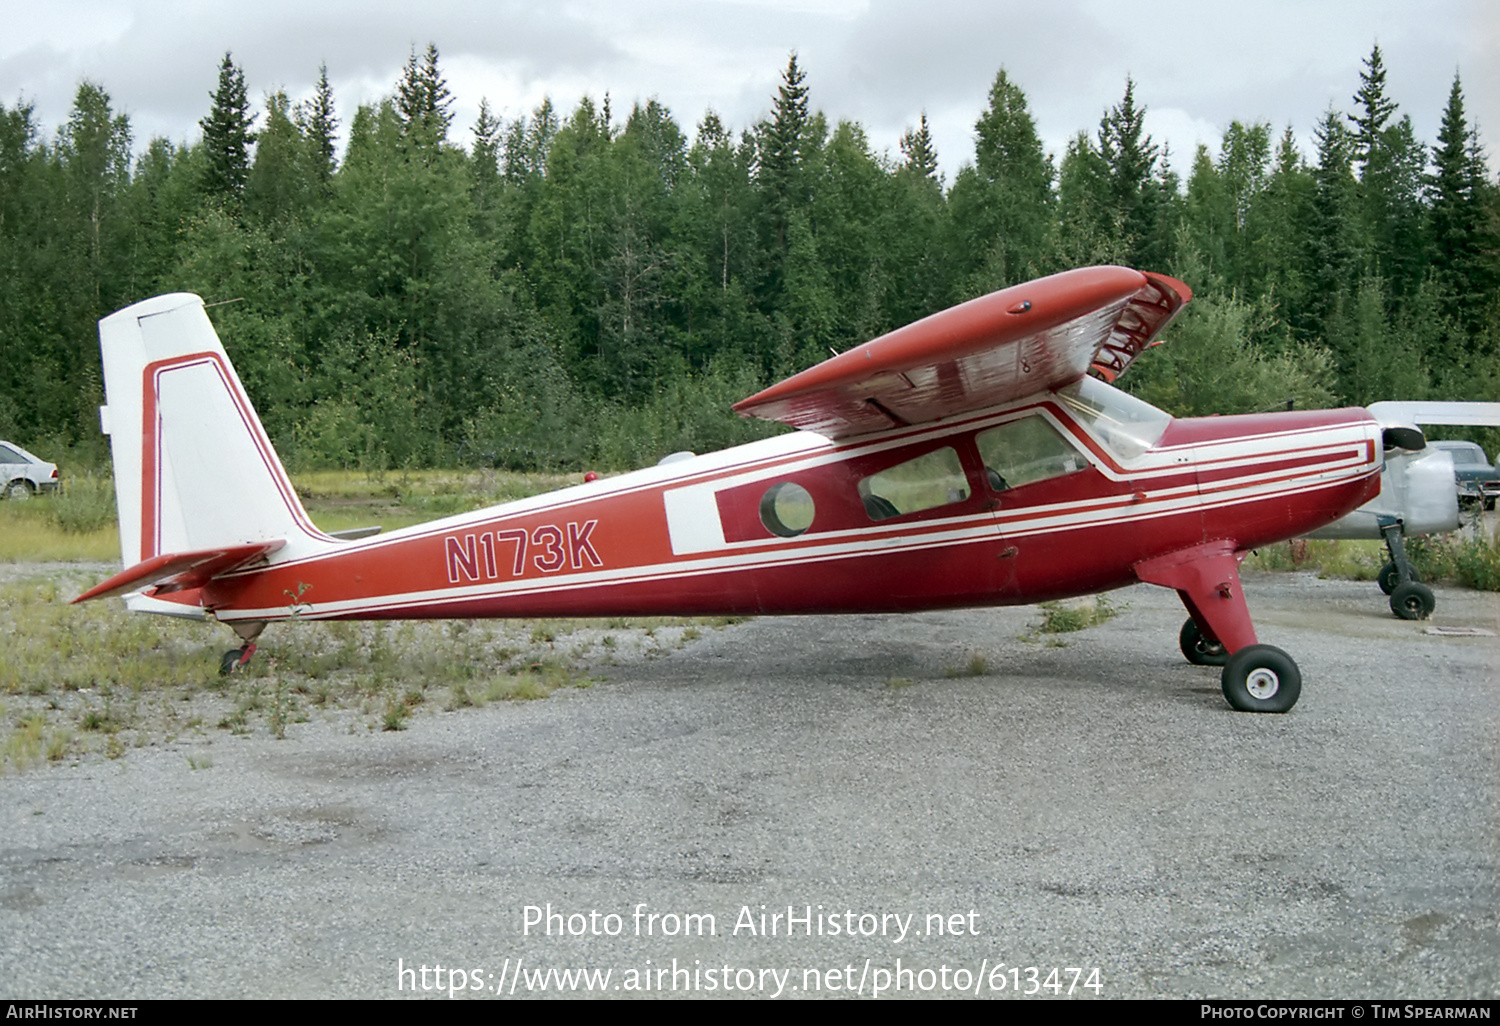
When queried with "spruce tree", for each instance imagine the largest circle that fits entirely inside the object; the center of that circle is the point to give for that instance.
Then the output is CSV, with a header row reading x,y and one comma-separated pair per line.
x,y
1390,162
486,153
319,123
781,149
1001,207
1463,242
227,137
423,101
1375,110
1131,167
917,148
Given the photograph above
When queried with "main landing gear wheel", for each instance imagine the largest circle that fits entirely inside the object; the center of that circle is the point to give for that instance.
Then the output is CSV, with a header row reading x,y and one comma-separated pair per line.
x,y
1261,678
235,659
1413,601
1198,649
1390,577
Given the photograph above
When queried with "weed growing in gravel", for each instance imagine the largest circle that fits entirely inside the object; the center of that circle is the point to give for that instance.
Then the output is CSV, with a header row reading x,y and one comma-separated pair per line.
x,y
1066,617
977,666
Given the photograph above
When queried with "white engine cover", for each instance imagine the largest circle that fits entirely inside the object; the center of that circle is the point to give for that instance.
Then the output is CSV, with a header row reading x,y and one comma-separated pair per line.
x,y
1417,487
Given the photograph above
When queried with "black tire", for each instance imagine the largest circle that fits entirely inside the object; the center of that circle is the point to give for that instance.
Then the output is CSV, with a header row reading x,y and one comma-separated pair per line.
x,y
1390,577
19,490
230,662
1413,601
1261,679
1198,649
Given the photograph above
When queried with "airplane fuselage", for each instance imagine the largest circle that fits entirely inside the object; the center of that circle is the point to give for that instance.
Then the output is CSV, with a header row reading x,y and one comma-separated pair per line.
x,y
1017,504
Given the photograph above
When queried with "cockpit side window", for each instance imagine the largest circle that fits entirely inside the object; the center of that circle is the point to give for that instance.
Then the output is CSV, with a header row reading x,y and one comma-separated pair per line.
x,y
1024,451
931,480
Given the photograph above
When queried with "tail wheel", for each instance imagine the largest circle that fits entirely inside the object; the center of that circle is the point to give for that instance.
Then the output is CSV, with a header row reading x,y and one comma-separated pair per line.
x,y
1413,601
1261,678
1199,650
235,660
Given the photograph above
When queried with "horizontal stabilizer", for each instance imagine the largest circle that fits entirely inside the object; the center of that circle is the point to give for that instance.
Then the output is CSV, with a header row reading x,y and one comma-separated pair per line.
x,y
175,571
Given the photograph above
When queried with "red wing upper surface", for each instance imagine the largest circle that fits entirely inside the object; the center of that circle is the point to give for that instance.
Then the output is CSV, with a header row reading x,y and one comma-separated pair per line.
x,y
1007,345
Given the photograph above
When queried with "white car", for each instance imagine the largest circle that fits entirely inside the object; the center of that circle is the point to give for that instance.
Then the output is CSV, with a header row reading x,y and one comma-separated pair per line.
x,y
22,475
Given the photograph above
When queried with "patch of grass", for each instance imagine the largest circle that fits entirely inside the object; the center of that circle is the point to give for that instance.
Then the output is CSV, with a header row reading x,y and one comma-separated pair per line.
x,y
1467,559
977,666
1353,560
58,745
96,719
395,716
30,533
898,682
535,681
1464,557
26,741
103,680
1080,614
341,499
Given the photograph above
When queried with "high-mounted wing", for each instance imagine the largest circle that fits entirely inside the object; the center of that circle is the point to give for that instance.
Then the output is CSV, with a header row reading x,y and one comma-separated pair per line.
x,y
1045,334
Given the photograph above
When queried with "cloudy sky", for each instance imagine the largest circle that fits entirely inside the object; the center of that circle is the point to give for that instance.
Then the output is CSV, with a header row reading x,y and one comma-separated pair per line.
x,y
1197,64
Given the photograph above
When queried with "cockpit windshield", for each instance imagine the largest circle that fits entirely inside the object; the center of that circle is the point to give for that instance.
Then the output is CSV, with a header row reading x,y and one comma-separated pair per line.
x,y
1127,425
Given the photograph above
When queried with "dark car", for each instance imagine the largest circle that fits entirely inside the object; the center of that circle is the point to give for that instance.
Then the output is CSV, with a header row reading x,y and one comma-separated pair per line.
x,y
22,475
1476,480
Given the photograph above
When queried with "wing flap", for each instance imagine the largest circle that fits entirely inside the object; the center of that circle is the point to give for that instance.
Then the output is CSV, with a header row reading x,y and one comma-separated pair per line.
x,y
181,570
1043,335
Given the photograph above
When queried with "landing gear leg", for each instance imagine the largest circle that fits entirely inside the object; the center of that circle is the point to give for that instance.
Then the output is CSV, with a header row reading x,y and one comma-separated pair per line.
x,y
1256,677
1410,598
236,658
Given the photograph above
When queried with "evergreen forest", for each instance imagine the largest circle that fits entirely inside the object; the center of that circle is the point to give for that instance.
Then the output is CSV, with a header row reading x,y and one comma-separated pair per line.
x,y
593,288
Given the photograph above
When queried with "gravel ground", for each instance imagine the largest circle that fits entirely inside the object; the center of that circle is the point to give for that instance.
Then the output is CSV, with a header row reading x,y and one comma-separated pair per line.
x,y
1089,802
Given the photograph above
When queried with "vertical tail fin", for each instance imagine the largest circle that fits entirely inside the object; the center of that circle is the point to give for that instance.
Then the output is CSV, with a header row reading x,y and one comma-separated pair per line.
x,y
194,469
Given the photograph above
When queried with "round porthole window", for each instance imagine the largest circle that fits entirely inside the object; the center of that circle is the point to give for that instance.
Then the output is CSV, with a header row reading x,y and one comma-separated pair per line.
x,y
786,509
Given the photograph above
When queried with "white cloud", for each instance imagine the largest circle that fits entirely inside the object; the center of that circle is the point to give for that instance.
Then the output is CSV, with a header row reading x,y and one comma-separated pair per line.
x,y
1197,65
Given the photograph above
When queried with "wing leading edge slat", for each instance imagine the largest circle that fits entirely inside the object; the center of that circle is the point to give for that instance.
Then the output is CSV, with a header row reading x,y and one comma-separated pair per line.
x,y
1020,341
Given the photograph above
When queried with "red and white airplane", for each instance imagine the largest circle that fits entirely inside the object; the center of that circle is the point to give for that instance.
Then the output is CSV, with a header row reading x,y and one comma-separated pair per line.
x,y
977,457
